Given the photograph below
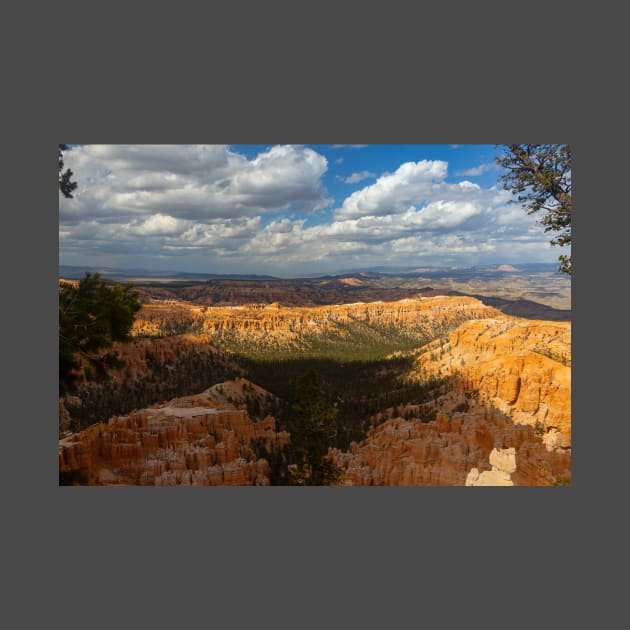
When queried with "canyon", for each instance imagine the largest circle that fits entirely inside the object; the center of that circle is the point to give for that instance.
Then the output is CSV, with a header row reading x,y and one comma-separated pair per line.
x,y
198,440
497,410
508,388
292,329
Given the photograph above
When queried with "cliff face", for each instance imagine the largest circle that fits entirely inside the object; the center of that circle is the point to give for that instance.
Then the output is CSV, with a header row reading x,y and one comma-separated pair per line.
x,y
443,452
502,394
163,361
276,326
192,440
522,368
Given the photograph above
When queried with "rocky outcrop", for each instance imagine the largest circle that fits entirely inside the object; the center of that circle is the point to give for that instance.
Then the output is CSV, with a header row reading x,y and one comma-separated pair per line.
x,y
507,395
503,464
280,327
193,440
442,452
522,368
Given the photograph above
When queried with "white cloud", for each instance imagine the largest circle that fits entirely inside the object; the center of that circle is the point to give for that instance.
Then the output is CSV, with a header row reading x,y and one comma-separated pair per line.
x,y
160,225
475,171
192,182
357,177
212,208
393,193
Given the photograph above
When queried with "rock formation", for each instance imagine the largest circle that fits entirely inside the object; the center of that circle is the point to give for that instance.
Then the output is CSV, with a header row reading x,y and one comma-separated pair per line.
x,y
501,416
520,367
503,464
280,327
503,396
192,440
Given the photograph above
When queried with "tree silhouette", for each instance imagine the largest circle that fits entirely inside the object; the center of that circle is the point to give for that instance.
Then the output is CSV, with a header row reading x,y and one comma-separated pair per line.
x,y
313,427
92,316
66,186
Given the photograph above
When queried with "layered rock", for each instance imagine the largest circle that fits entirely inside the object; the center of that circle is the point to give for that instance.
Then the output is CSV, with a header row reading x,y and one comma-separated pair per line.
x,y
522,368
503,399
443,452
273,325
509,387
193,440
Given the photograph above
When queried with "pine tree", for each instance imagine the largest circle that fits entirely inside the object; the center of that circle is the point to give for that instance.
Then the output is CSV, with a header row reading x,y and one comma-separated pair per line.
x,y
92,316
540,176
66,186
313,427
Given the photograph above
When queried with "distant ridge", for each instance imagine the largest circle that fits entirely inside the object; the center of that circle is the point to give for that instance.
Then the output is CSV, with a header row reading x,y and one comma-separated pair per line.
x,y
118,273
113,273
521,308
483,283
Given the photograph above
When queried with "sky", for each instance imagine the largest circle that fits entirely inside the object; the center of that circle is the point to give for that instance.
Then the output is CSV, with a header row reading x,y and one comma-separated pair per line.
x,y
290,210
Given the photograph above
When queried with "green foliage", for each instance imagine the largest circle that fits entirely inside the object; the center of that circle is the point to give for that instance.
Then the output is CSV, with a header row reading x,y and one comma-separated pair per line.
x,y
66,185
92,316
358,389
313,427
540,176
357,340
192,370
560,357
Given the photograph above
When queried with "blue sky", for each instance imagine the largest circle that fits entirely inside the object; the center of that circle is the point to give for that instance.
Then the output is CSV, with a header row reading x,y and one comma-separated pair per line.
x,y
288,210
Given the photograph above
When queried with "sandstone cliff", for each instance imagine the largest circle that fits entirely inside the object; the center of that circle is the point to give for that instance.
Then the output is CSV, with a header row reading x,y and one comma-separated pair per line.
x,y
192,440
522,368
502,393
284,328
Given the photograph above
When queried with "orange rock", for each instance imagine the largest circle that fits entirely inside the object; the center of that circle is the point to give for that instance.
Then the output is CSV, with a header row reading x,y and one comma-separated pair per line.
x,y
512,378
188,441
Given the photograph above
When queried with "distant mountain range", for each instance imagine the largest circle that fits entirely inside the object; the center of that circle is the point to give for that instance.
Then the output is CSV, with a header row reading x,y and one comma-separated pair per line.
x,y
534,290
116,273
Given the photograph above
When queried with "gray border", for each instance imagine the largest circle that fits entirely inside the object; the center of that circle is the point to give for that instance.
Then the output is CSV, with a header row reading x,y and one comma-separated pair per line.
x,y
305,558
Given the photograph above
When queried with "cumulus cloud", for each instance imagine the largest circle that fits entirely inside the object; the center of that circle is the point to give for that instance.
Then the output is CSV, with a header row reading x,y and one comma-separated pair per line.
x,y
393,193
212,205
192,182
